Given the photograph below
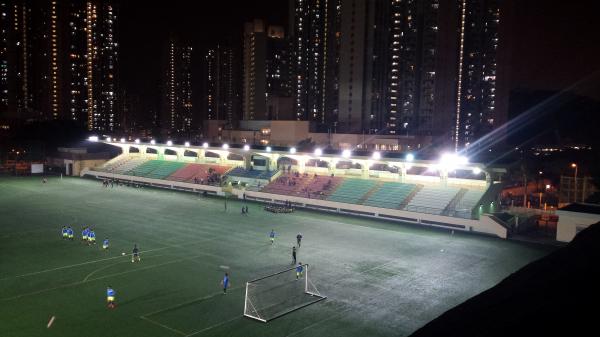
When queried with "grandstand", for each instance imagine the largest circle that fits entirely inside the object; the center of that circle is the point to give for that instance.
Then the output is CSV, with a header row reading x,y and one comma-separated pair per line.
x,y
364,186
431,199
352,190
240,172
390,195
209,173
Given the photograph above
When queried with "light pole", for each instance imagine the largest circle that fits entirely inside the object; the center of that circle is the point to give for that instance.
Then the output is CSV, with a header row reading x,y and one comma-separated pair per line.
x,y
573,165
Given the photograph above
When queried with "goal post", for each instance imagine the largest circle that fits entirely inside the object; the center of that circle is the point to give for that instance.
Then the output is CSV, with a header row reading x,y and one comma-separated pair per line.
x,y
280,293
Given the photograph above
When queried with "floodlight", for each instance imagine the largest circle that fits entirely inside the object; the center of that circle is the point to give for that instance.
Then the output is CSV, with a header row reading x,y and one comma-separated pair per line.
x,y
152,142
122,140
169,143
225,146
268,148
293,150
318,152
205,145
246,147
477,170
187,144
93,138
376,155
137,140
410,157
346,153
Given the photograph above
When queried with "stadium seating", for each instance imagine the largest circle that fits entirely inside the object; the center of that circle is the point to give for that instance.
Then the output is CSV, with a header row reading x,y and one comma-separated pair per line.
x,y
352,190
432,199
156,169
390,195
198,172
123,165
303,185
252,174
470,200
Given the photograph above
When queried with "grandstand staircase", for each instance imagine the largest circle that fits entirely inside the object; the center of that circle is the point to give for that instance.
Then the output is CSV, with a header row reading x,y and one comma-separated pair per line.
x,y
371,191
410,196
449,209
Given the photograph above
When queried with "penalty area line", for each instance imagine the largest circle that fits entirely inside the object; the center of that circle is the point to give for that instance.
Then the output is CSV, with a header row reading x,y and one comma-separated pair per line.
x,y
162,325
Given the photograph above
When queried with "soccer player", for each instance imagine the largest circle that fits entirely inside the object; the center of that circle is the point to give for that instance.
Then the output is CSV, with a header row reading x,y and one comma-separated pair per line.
x,y
92,236
272,236
110,297
299,270
70,233
105,244
136,254
294,255
298,239
65,234
225,283
84,234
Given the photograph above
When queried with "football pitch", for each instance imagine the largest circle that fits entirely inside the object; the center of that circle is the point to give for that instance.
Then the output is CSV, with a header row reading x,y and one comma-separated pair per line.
x,y
380,278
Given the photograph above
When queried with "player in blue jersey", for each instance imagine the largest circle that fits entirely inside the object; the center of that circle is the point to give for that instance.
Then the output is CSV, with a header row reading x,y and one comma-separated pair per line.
x,y
110,297
65,234
70,233
105,244
299,270
84,234
225,283
272,236
92,236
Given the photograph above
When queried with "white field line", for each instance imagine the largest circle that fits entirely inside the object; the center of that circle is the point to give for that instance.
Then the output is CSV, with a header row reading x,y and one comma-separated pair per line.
x,y
94,279
162,325
99,260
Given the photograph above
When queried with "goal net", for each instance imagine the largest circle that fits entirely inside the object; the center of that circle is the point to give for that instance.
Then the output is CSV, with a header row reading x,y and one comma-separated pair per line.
x,y
280,293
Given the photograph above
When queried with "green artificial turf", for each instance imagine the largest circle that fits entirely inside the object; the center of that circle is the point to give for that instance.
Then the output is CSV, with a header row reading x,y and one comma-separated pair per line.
x,y
381,279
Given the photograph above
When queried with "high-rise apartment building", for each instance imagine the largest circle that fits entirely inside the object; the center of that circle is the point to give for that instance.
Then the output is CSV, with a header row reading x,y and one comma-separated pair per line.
x,y
178,90
476,101
397,67
221,93
267,89
92,65
59,60
315,35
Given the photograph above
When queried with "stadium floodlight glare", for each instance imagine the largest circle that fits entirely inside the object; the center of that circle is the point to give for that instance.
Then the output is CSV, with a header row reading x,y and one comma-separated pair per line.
x,y
246,147
268,148
318,152
205,145
376,155
476,170
280,293
293,150
346,154
225,146
93,138
137,140
152,142
169,143
410,157
108,139
450,161
122,140
187,144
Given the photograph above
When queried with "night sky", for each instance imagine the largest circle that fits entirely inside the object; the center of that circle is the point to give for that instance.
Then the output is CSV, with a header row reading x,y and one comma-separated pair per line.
x,y
553,43
145,28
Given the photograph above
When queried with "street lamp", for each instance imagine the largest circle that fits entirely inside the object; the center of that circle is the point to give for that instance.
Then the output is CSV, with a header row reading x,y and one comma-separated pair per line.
x,y
573,165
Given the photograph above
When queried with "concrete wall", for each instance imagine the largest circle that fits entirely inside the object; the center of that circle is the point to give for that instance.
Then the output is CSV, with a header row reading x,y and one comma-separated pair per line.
x,y
570,223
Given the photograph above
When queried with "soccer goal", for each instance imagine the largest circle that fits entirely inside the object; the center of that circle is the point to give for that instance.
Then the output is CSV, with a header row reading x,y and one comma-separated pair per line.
x,y
279,294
